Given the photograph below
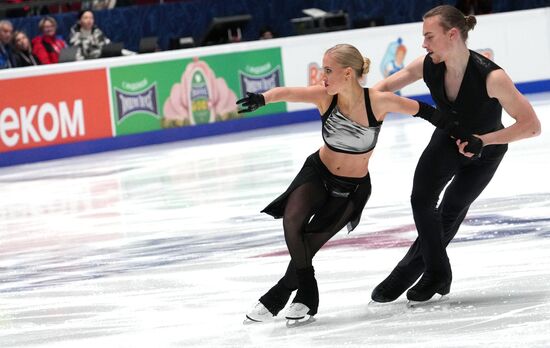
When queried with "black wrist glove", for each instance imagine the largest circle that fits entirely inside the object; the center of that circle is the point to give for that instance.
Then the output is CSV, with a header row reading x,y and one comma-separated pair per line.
x,y
434,116
251,102
449,125
475,145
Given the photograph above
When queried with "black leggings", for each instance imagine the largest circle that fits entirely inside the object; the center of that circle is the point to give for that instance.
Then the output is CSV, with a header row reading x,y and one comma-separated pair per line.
x,y
440,163
301,205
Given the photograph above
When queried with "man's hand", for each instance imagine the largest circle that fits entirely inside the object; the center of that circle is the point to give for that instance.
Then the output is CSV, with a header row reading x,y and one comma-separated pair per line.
x,y
470,147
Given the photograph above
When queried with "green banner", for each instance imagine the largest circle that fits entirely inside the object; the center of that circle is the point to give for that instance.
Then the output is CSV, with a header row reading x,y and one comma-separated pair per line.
x,y
187,92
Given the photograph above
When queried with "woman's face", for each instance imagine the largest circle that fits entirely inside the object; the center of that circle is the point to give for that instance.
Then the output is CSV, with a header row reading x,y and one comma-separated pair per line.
x,y
87,20
49,28
22,42
334,76
436,40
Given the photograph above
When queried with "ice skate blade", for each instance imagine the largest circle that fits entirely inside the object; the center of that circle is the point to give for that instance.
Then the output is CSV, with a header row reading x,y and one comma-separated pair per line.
x,y
374,303
249,321
297,322
434,300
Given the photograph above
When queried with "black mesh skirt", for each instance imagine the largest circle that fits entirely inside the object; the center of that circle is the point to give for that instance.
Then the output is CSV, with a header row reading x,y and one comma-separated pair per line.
x,y
340,191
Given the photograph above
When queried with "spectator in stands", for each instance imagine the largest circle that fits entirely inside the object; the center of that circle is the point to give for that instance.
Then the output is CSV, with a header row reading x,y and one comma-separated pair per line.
x,y
87,37
22,50
48,45
6,33
103,4
266,33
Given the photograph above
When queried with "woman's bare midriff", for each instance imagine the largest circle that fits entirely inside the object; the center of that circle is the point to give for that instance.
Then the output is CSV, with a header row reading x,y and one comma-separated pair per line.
x,y
343,164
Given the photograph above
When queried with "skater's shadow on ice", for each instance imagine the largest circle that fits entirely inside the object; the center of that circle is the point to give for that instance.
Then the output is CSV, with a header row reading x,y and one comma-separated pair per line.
x,y
466,312
495,305
494,301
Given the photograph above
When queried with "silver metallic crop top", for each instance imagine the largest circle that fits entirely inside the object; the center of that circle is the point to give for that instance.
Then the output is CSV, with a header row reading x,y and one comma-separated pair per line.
x,y
341,134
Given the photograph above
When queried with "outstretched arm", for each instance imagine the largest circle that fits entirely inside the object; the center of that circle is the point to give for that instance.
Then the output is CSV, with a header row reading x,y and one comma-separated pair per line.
x,y
313,94
404,77
386,102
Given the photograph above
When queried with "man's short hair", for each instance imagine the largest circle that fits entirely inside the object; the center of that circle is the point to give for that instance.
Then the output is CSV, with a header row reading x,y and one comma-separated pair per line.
x,y
5,22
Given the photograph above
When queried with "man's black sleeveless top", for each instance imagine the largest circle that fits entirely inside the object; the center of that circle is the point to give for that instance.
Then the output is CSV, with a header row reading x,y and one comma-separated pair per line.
x,y
473,108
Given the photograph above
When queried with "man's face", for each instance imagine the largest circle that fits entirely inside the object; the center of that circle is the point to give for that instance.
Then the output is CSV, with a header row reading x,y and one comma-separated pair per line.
x,y
6,33
436,40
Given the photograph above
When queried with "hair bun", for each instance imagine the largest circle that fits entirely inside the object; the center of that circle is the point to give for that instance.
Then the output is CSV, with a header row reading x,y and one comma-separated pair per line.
x,y
471,22
366,65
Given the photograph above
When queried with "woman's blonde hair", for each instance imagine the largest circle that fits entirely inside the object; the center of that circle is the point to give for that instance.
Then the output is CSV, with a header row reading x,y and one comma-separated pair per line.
x,y
43,21
347,55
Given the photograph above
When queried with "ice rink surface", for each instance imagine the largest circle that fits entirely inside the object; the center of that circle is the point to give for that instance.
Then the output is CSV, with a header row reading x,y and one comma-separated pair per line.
x,y
165,246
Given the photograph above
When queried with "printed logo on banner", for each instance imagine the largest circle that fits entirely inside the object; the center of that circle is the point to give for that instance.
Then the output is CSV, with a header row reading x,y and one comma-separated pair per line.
x,y
136,98
258,79
200,98
394,59
73,111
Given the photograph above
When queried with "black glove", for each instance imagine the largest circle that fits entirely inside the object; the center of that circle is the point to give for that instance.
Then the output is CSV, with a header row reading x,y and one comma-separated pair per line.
x,y
434,116
251,102
475,145
449,125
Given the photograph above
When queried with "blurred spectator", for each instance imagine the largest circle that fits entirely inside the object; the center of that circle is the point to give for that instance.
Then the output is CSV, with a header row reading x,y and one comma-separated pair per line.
x,y
6,34
48,45
474,7
103,4
266,33
98,5
22,50
87,37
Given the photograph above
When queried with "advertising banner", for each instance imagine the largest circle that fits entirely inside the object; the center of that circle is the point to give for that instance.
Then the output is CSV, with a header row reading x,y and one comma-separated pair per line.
x,y
192,91
54,109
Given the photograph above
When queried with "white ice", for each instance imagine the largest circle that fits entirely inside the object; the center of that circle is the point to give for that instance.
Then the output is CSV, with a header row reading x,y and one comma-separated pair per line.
x,y
165,246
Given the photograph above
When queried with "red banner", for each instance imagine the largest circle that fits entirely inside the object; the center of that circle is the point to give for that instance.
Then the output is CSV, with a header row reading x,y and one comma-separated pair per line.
x,y
54,109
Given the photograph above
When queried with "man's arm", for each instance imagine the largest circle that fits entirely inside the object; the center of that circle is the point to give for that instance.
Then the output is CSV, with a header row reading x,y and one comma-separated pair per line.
x,y
404,77
500,86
